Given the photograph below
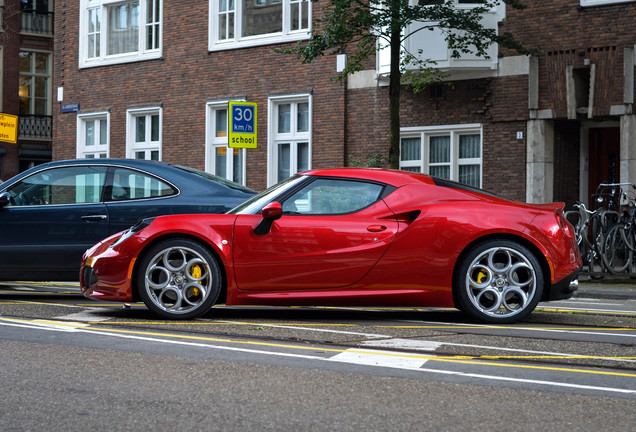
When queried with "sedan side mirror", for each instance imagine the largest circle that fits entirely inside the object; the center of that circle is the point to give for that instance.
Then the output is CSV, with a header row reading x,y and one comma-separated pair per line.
x,y
270,213
4,199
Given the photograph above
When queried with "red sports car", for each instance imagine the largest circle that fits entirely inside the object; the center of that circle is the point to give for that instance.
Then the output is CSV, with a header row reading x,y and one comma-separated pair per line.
x,y
350,236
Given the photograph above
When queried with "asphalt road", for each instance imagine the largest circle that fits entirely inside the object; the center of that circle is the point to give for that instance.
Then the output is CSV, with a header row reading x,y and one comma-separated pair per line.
x,y
73,364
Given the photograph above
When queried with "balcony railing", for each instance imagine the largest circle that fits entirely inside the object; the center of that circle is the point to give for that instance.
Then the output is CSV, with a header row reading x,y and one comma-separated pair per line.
x,y
36,22
37,127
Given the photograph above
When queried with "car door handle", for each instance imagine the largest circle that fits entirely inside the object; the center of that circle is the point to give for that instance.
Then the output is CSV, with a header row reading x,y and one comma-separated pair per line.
x,y
96,217
376,228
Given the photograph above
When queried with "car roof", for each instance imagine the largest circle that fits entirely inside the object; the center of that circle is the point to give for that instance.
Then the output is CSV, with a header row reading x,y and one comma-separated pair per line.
x,y
139,163
392,177
167,171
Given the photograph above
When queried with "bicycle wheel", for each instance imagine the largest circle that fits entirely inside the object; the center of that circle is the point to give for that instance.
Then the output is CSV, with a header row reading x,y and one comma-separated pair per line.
x,y
616,253
628,234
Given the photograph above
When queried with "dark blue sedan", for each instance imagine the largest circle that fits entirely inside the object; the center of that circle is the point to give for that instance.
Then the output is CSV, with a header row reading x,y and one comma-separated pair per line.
x,y
52,213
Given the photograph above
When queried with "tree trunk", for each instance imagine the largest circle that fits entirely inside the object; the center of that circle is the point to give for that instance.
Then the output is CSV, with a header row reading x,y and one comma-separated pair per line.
x,y
394,89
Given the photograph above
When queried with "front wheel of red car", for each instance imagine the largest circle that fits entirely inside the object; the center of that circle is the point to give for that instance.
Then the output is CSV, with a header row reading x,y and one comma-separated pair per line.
x,y
499,281
179,279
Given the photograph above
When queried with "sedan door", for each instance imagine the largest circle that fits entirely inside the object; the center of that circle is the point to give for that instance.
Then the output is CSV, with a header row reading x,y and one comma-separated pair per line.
x,y
53,216
331,234
132,195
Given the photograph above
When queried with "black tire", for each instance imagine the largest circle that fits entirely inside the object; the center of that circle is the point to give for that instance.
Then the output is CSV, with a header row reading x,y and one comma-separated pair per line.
x,y
616,252
179,279
499,282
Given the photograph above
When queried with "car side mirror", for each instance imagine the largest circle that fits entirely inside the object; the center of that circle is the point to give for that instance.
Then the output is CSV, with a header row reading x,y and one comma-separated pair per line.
x,y
4,199
270,213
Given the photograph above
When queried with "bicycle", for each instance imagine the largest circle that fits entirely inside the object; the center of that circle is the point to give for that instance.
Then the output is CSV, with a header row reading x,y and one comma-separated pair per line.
x,y
586,227
620,242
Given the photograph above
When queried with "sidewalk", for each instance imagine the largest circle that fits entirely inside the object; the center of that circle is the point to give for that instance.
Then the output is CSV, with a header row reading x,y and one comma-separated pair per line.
x,y
623,289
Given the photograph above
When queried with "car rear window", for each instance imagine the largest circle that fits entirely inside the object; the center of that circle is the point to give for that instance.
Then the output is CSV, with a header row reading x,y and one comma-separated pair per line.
x,y
221,180
455,185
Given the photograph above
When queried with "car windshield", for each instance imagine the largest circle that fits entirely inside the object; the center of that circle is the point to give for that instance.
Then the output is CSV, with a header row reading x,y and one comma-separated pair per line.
x,y
256,203
222,180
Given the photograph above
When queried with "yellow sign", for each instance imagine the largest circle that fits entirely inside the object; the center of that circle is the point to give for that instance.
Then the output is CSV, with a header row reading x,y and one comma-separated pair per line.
x,y
242,125
8,128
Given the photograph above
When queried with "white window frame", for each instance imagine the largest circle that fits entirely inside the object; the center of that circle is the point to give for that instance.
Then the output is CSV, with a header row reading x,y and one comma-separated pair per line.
x,y
148,146
142,52
293,138
238,41
49,79
585,3
454,131
212,142
431,44
82,149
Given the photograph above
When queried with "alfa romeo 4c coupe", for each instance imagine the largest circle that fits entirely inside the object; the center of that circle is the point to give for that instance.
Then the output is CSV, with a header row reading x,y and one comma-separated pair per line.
x,y
347,237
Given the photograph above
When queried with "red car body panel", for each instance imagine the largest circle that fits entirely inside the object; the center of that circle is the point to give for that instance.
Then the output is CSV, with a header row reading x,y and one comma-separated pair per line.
x,y
400,251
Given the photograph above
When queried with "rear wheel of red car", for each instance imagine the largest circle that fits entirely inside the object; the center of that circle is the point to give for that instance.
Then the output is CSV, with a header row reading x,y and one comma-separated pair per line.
x,y
499,281
179,279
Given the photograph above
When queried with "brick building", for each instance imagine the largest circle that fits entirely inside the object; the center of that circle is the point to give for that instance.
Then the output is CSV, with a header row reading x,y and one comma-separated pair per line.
x,y
26,67
139,78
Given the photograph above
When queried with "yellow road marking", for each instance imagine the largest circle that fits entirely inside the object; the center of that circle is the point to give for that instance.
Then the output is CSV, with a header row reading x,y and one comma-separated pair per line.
x,y
441,359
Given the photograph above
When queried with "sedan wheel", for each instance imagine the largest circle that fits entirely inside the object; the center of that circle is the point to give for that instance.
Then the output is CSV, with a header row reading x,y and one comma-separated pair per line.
x,y
179,279
499,281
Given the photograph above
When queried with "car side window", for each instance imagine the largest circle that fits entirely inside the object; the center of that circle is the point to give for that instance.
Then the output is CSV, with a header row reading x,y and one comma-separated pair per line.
x,y
130,185
63,185
333,196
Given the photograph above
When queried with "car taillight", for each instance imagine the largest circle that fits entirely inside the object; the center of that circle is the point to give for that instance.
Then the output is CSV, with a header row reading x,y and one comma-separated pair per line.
x,y
565,225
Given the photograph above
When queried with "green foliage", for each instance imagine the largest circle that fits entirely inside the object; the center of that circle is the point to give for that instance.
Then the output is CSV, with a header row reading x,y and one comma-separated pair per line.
x,y
375,160
359,27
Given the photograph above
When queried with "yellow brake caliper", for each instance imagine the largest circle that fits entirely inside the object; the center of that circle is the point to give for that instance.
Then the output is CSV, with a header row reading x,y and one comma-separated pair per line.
x,y
481,276
196,273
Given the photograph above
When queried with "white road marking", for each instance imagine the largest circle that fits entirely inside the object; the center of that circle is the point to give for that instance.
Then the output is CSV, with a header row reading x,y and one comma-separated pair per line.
x,y
412,344
402,364
391,359
88,315
322,330
591,302
532,329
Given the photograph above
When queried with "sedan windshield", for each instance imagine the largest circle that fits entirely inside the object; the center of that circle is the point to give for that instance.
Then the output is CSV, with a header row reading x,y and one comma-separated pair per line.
x,y
256,203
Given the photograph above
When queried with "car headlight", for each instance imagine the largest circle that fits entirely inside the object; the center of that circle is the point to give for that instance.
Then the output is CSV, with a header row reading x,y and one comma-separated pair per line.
x,y
133,230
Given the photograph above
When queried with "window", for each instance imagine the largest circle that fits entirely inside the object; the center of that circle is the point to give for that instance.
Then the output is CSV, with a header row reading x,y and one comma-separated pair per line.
x,y
452,153
115,31
129,185
64,185
93,135
289,146
36,17
143,139
428,43
35,79
238,23
219,158
333,196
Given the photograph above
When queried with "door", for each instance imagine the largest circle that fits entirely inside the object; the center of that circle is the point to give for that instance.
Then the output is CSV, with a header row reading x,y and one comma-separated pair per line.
x,y
331,233
134,195
52,217
604,163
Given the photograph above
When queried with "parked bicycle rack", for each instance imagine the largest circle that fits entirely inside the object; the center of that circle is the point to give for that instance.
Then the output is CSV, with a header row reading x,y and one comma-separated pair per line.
x,y
607,235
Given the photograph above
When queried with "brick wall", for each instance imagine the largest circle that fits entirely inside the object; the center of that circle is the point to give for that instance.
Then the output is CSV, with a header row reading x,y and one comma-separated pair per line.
x,y
562,32
185,79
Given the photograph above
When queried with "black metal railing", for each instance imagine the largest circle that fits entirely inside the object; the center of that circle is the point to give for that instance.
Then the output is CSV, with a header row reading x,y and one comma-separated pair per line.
x,y
37,22
35,127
